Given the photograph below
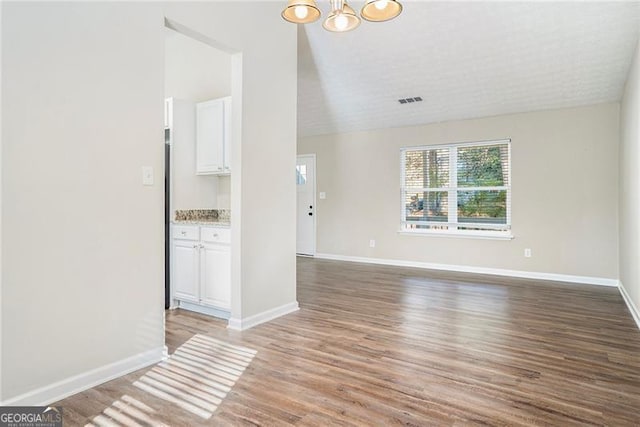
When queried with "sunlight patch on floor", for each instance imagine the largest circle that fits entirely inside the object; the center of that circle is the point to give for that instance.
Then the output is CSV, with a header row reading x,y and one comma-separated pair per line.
x,y
196,378
129,412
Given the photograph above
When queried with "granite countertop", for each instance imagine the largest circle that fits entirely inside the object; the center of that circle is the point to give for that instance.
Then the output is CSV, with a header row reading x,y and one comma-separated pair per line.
x,y
212,217
214,223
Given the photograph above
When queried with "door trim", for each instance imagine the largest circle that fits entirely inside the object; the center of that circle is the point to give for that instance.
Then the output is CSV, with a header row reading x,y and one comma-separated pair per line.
x,y
170,125
312,157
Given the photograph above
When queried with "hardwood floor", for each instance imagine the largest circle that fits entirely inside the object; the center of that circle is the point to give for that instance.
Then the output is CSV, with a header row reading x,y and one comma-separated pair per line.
x,y
376,345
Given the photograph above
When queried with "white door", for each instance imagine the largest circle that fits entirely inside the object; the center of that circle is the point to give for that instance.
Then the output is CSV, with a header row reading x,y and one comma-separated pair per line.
x,y
216,275
306,184
185,271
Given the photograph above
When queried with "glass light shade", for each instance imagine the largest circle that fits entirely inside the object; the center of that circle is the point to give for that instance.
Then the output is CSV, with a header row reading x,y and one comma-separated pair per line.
x,y
380,10
301,11
342,20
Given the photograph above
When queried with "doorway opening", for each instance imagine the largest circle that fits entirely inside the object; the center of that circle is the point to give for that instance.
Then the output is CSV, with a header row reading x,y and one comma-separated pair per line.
x,y
203,104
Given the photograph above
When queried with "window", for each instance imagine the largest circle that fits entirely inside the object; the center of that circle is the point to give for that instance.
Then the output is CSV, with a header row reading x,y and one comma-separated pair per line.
x,y
301,174
457,188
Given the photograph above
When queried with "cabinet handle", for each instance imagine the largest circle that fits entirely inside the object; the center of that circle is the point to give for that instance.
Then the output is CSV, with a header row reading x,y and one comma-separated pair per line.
x,y
195,246
184,233
215,235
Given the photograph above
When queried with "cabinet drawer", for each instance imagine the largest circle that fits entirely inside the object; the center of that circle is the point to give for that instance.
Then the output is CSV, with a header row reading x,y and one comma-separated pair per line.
x,y
216,235
185,232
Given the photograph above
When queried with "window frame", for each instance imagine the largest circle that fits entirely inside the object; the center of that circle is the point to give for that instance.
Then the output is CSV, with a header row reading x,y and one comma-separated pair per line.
x,y
489,230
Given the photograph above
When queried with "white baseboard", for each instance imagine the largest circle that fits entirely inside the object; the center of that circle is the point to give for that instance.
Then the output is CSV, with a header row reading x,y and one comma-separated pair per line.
x,y
209,311
635,312
265,316
601,281
69,386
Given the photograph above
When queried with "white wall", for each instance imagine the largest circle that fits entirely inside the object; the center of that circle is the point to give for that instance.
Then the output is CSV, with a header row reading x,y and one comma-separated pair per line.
x,y
194,72
82,247
630,184
82,238
564,193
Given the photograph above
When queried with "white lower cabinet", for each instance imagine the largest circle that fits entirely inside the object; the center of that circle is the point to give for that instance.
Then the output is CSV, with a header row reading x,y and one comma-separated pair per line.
x,y
185,271
215,269
201,277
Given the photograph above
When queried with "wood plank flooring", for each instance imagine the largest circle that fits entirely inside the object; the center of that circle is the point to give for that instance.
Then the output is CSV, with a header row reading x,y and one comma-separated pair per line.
x,y
376,345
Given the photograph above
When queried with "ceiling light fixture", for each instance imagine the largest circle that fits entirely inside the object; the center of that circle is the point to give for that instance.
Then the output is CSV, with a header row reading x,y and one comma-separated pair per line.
x,y
342,17
380,10
301,11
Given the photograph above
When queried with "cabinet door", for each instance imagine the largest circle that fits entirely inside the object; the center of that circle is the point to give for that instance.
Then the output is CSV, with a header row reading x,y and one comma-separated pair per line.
x,y
227,134
210,137
185,271
216,276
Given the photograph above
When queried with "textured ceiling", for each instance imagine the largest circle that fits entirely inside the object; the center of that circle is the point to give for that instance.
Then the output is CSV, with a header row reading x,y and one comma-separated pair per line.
x,y
465,60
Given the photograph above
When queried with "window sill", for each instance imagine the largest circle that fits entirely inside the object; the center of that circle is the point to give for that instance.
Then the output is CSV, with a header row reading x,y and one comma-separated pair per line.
x,y
459,234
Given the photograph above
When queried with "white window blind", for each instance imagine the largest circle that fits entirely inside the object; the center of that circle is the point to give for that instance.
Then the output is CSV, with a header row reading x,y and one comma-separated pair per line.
x,y
461,188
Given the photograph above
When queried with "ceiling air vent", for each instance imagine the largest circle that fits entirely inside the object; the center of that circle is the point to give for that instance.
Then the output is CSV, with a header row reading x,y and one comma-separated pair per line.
x,y
409,100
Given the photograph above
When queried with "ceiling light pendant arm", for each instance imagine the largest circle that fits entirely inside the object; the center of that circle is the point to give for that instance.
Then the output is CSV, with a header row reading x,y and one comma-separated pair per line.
x,y
337,6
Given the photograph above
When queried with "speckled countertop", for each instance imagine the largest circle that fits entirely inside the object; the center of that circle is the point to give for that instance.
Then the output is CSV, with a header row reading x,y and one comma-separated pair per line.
x,y
203,223
212,217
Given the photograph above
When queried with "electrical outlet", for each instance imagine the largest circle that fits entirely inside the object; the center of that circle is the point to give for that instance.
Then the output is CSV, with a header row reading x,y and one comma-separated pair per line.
x,y
372,243
527,253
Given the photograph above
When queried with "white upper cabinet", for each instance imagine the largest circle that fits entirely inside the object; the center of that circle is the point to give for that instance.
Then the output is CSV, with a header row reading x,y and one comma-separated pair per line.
x,y
227,134
213,137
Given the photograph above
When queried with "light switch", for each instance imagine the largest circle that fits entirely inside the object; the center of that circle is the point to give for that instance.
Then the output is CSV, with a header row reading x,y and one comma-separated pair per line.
x,y
323,195
147,175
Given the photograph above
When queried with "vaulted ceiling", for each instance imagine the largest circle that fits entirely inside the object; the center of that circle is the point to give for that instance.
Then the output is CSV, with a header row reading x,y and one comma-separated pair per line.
x,y
465,60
